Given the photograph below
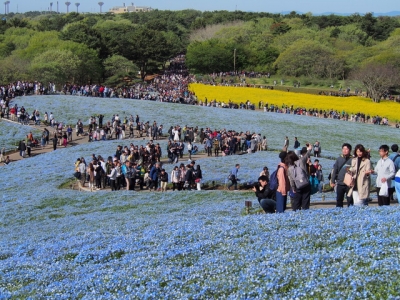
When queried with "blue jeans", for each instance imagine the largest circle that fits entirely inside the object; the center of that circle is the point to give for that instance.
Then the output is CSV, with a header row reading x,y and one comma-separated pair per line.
x,y
320,187
280,202
397,187
268,205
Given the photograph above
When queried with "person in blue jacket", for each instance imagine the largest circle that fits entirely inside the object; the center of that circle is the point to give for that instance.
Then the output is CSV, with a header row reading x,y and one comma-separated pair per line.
x,y
233,176
154,175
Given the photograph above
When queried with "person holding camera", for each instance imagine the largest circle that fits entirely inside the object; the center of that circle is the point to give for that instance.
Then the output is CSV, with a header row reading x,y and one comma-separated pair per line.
x,y
265,196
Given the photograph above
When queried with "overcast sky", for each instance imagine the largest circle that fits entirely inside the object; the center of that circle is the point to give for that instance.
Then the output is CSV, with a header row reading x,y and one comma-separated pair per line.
x,y
276,6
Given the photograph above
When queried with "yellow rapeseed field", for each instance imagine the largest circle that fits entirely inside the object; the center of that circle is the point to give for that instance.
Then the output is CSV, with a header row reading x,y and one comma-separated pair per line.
x,y
351,105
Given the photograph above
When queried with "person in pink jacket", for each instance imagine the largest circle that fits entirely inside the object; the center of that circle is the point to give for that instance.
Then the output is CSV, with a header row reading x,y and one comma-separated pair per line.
x,y
283,184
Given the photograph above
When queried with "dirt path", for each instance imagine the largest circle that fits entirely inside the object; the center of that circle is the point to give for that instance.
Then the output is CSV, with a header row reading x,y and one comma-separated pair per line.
x,y
76,140
14,156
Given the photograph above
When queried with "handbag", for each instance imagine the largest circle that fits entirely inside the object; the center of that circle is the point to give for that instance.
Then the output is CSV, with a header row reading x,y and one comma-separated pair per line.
x,y
384,190
348,180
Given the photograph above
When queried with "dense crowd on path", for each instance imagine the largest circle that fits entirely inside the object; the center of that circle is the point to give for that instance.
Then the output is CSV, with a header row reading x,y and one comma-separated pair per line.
x,y
171,86
143,158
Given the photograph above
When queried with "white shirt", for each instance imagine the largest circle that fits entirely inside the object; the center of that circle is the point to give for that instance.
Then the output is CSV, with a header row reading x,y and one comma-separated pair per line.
x,y
384,169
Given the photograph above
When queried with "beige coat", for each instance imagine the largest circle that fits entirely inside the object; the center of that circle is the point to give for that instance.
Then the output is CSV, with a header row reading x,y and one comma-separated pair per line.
x,y
363,180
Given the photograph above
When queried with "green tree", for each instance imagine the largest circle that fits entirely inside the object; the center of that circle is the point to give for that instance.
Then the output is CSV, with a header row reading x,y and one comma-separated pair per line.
x,y
377,28
40,42
279,28
19,37
352,33
282,42
261,57
112,32
12,68
118,64
214,56
82,32
3,26
51,22
89,68
57,66
117,67
308,58
144,46
6,49
17,22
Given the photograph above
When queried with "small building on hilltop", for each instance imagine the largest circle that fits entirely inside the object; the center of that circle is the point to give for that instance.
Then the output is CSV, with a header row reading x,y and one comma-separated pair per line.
x,y
129,8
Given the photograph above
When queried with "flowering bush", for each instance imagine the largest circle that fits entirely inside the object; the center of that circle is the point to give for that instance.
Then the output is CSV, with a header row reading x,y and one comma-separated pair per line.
x,y
142,245
351,105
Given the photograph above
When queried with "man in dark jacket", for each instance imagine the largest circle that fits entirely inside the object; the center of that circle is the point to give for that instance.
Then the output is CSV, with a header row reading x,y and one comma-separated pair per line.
x,y
296,143
337,176
189,178
22,148
154,175
265,196
131,174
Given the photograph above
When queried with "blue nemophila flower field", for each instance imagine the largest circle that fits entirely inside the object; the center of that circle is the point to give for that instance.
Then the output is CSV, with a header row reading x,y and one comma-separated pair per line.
x,y
12,133
275,126
188,245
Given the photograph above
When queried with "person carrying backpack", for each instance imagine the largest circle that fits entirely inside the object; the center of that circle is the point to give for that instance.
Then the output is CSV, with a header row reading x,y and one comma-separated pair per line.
x,y
299,182
279,180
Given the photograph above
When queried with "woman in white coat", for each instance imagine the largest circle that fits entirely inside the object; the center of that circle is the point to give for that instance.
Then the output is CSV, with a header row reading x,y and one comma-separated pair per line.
x,y
360,170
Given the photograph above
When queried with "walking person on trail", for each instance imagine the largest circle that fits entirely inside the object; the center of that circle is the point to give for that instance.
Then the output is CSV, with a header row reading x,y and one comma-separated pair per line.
x,y
233,177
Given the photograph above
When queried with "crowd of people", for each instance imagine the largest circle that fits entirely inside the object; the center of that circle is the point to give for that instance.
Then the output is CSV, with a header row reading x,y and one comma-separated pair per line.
x,y
171,86
350,177
143,158
136,165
